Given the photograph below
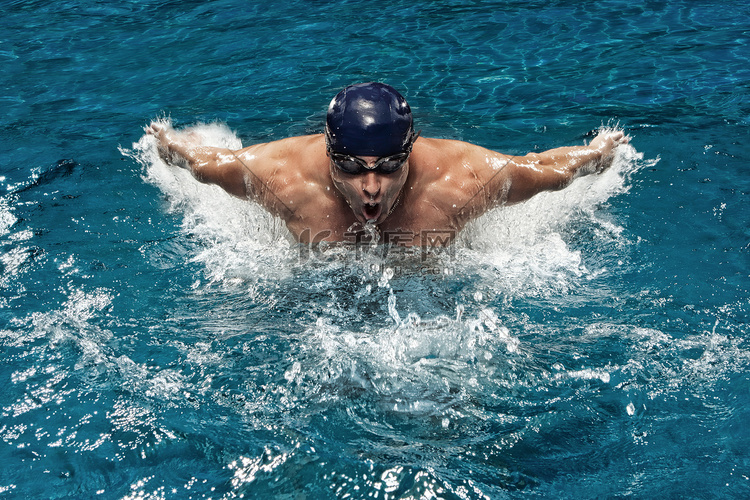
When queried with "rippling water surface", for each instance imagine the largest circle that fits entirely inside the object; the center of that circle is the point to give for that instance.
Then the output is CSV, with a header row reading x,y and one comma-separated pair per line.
x,y
163,340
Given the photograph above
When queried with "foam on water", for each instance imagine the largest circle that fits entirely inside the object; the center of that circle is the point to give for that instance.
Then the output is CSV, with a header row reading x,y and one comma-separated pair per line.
x,y
7,219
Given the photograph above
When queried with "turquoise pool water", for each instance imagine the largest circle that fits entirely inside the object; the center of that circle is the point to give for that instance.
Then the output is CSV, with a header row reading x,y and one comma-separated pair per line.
x,y
161,340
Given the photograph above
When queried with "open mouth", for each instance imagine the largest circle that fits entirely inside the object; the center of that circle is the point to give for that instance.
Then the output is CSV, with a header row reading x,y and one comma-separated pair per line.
x,y
371,211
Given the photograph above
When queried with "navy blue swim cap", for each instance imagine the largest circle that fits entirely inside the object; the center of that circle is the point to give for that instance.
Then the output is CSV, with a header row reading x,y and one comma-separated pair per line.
x,y
369,119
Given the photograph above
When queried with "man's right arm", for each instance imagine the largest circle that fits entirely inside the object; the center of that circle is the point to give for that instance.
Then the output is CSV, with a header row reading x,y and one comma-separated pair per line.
x,y
211,165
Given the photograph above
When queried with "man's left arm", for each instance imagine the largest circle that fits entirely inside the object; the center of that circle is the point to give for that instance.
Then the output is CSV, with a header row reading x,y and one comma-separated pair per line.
x,y
555,169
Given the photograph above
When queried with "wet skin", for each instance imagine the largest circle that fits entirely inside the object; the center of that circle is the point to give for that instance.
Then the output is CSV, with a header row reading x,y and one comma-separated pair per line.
x,y
443,185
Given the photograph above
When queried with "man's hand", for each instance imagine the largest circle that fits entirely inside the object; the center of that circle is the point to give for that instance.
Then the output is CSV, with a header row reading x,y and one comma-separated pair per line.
x,y
605,143
174,147
161,131
210,165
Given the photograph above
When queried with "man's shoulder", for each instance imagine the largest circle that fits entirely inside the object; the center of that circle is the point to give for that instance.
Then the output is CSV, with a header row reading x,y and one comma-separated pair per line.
x,y
299,161
450,173
299,151
294,170
297,145
452,155
450,152
432,148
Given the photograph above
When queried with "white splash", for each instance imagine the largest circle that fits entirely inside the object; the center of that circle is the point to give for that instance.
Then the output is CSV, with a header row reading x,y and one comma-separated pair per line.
x,y
7,219
526,243
235,238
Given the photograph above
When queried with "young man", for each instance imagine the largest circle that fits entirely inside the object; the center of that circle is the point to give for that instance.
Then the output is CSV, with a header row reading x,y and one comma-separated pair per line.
x,y
371,168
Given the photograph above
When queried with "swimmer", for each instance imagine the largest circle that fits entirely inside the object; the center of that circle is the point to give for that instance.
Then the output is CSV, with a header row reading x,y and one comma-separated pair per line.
x,y
370,168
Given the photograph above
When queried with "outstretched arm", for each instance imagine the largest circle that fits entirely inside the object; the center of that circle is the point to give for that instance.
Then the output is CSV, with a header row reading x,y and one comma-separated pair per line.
x,y
555,169
210,165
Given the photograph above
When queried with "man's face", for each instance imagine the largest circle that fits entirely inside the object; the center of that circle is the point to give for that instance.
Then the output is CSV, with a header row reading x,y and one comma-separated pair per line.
x,y
371,195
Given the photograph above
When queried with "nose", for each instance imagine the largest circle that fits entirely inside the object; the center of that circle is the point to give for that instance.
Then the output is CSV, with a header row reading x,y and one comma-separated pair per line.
x,y
371,184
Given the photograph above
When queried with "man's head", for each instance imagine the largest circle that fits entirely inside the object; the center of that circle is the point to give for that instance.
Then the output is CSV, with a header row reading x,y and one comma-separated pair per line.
x,y
369,136
369,119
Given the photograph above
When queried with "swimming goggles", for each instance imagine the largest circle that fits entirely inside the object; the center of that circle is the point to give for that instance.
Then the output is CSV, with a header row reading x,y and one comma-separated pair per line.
x,y
353,166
